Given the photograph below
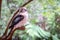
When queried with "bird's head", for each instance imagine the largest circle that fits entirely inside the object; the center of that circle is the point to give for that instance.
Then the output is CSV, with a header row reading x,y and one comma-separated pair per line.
x,y
23,9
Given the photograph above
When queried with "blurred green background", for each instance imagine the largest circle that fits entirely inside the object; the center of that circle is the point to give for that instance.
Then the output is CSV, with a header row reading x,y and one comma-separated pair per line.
x,y
44,19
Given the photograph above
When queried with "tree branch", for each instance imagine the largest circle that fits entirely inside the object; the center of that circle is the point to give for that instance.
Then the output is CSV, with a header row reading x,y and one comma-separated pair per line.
x,y
26,3
9,36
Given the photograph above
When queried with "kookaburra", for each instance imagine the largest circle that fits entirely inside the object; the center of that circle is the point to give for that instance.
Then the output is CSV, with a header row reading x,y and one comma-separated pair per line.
x,y
20,18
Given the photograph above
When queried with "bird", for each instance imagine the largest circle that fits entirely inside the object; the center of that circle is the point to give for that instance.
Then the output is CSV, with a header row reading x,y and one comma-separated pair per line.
x,y
18,22
20,19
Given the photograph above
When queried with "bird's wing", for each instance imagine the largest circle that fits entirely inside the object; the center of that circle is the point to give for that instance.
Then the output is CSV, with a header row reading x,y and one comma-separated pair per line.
x,y
16,20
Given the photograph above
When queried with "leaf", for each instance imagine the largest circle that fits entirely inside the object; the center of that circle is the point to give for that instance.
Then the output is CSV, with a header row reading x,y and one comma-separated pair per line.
x,y
31,31
43,33
52,2
37,31
54,37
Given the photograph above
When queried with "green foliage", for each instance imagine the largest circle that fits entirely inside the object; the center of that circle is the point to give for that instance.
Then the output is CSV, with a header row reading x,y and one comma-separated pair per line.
x,y
55,37
49,9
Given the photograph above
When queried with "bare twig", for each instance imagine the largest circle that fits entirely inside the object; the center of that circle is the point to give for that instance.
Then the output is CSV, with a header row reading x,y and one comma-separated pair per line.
x,y
26,3
9,37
